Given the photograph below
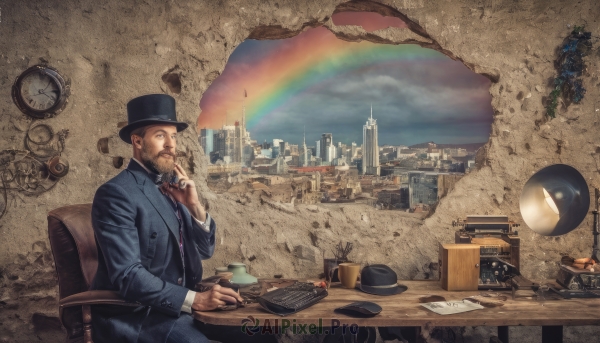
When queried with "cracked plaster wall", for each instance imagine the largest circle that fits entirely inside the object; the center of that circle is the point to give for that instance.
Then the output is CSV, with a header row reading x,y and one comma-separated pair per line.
x,y
115,50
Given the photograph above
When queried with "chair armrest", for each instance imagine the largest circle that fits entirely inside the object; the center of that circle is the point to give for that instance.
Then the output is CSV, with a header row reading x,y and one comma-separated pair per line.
x,y
94,298
85,300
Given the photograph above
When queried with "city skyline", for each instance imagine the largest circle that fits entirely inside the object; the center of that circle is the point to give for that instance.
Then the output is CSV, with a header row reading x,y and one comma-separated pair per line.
x,y
417,94
304,137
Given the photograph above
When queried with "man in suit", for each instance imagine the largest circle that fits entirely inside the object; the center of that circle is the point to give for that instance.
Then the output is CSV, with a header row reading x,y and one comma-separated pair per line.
x,y
152,235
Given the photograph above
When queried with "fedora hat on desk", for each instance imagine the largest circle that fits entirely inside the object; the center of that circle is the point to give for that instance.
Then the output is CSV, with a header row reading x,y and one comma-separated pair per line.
x,y
380,279
150,109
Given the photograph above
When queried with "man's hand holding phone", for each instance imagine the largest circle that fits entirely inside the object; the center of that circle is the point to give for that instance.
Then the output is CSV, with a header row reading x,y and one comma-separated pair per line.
x,y
184,192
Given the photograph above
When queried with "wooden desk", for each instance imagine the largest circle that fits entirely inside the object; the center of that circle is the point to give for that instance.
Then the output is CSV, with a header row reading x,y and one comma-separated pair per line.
x,y
404,310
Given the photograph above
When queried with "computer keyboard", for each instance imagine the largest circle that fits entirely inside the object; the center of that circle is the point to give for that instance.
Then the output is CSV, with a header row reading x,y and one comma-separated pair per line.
x,y
292,299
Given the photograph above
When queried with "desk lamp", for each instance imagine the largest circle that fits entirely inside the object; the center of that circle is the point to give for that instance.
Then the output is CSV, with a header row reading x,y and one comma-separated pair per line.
x,y
554,201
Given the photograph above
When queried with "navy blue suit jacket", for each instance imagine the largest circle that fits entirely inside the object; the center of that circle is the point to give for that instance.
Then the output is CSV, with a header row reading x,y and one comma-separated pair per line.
x,y
137,234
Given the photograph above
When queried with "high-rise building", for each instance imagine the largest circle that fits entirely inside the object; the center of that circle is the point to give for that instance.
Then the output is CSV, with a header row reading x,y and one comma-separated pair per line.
x,y
275,151
326,144
238,147
294,149
318,149
341,149
248,154
206,140
224,141
282,145
276,142
241,137
330,153
305,159
370,151
354,150
275,146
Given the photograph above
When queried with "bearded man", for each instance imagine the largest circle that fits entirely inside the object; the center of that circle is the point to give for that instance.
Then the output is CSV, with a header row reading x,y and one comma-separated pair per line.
x,y
152,234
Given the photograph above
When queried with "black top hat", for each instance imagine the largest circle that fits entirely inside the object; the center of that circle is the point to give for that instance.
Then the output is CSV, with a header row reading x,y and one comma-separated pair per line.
x,y
148,110
380,279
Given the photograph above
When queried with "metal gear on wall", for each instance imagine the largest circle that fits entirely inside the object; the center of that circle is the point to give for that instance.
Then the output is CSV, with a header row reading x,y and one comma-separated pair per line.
x,y
35,170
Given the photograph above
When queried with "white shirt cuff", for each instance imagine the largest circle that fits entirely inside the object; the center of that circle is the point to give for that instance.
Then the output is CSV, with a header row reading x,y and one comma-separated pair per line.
x,y
187,303
204,225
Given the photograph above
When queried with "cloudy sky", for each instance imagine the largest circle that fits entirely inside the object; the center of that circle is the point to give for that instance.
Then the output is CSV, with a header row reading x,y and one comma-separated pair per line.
x,y
328,85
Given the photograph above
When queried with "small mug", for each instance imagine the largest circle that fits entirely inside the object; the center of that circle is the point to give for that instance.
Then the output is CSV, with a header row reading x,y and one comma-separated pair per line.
x,y
348,273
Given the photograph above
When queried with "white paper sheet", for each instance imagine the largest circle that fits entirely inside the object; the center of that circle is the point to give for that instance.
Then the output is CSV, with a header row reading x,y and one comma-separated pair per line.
x,y
452,307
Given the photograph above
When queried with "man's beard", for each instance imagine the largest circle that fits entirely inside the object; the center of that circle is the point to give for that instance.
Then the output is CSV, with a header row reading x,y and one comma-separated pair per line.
x,y
161,167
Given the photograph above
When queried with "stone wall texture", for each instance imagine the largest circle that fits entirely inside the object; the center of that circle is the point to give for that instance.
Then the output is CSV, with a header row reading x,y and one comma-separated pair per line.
x,y
115,50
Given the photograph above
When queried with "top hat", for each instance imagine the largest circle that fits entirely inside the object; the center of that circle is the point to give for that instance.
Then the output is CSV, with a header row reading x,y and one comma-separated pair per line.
x,y
380,279
149,110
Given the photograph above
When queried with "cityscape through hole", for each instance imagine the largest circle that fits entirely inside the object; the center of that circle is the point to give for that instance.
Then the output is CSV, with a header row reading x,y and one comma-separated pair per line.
x,y
314,119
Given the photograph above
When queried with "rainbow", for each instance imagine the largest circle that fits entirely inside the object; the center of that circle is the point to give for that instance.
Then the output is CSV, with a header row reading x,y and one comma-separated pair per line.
x,y
300,66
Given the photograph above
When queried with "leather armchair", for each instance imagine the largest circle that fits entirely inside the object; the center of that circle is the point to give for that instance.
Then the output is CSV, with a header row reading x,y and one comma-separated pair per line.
x,y
76,260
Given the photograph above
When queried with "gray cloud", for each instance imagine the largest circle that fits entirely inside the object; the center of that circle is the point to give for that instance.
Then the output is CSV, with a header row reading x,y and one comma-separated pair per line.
x,y
413,102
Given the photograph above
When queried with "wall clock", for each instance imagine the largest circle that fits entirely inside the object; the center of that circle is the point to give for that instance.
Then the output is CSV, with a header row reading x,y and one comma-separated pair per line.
x,y
40,92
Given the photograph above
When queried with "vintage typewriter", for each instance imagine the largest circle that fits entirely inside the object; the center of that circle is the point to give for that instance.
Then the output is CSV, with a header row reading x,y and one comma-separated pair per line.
x,y
498,253
291,299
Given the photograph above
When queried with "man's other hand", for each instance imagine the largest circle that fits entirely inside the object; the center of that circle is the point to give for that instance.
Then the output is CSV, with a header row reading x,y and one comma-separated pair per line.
x,y
217,296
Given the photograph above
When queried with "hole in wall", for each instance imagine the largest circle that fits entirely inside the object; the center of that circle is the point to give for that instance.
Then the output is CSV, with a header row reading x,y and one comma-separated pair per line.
x,y
106,69
225,121
172,81
118,162
103,145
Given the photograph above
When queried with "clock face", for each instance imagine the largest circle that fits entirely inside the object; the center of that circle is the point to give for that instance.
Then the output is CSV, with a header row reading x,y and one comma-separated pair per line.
x,y
39,91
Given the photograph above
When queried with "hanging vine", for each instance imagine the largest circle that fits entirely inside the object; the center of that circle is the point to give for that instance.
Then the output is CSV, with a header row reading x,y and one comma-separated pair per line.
x,y
570,66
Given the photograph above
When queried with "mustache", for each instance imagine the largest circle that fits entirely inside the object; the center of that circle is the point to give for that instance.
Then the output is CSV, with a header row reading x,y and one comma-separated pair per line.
x,y
167,152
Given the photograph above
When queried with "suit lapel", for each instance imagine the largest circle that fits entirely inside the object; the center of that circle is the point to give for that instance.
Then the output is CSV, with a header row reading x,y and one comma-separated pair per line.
x,y
162,207
157,200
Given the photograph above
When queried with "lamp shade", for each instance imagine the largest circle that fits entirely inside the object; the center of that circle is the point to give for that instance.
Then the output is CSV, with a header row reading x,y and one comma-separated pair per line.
x,y
555,200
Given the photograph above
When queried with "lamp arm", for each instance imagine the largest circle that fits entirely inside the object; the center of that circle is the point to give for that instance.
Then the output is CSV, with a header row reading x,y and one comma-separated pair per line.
x,y
596,230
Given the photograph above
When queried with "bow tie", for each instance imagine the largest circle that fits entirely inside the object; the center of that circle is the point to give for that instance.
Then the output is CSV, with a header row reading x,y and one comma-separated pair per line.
x,y
153,174
160,178
157,178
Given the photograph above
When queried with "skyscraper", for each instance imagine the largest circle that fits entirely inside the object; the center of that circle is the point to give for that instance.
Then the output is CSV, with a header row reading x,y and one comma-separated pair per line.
x,y
238,148
224,141
206,140
240,135
282,148
353,151
370,151
326,143
318,149
305,149
331,153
